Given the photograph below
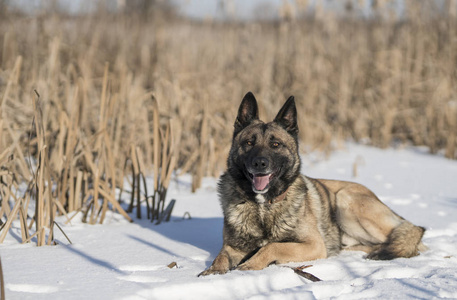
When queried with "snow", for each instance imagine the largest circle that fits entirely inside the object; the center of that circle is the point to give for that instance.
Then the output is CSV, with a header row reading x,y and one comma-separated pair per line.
x,y
121,260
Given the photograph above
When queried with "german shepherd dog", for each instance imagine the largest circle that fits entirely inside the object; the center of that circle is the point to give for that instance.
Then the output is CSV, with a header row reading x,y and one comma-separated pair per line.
x,y
273,214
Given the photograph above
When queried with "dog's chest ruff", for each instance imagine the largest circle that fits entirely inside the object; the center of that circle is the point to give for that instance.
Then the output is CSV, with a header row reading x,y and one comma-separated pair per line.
x,y
256,224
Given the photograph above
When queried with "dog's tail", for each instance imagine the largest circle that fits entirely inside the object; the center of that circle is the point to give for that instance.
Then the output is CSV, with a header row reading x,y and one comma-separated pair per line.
x,y
403,241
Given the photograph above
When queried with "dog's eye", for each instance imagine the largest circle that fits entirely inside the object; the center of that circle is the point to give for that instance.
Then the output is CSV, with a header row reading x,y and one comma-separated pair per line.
x,y
249,143
275,144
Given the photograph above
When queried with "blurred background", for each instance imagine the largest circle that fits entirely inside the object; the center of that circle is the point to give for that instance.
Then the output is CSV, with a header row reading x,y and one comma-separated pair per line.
x,y
165,78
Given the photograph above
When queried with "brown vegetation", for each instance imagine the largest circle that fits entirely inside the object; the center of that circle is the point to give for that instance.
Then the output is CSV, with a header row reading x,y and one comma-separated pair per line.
x,y
380,81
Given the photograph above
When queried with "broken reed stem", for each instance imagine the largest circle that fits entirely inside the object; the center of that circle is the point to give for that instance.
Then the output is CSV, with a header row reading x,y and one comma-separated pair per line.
x,y
39,177
156,141
23,221
95,205
103,97
134,185
63,232
52,204
141,169
12,215
136,181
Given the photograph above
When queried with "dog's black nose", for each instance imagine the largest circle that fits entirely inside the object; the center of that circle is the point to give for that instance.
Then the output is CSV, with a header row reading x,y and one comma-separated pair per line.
x,y
260,164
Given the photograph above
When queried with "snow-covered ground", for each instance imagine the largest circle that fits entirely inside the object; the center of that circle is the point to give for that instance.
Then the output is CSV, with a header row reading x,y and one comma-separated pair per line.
x,y
121,260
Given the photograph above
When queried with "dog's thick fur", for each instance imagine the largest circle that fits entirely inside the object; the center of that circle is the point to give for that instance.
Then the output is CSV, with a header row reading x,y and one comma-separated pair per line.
x,y
273,214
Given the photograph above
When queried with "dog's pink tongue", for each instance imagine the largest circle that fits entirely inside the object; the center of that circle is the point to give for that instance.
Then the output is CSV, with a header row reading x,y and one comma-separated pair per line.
x,y
261,182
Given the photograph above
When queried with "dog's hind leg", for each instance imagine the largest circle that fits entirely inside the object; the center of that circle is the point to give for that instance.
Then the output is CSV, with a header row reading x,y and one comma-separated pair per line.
x,y
376,228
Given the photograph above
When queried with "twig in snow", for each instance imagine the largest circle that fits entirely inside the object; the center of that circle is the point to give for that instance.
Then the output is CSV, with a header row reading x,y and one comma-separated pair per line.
x,y
309,276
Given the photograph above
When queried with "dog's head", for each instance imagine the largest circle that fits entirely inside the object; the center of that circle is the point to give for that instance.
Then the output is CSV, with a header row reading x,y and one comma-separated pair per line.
x,y
264,156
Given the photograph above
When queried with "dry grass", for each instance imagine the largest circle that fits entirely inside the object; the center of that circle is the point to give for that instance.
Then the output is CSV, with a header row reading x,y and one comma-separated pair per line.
x,y
381,82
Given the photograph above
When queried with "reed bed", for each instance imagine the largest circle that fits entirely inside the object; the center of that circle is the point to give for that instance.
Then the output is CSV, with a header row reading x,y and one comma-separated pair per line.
x,y
122,96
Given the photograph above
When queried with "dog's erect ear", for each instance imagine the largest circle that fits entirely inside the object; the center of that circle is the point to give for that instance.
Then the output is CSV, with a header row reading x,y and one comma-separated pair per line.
x,y
247,112
287,116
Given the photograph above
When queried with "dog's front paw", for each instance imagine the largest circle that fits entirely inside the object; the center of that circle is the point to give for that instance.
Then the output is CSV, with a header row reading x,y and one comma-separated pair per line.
x,y
249,266
212,271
